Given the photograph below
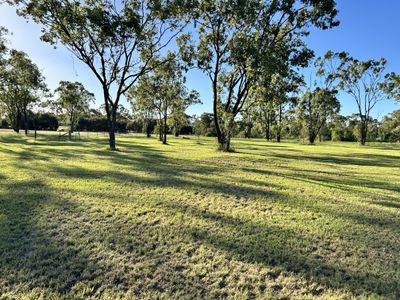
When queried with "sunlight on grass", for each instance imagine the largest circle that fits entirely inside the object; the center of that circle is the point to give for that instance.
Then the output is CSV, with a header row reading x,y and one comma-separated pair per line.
x,y
185,221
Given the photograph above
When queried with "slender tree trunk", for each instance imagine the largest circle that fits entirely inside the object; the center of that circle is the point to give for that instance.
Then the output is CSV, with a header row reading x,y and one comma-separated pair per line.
x,y
279,127
111,119
111,129
111,123
160,129
268,128
363,132
220,135
17,121
165,130
148,132
71,128
312,136
26,125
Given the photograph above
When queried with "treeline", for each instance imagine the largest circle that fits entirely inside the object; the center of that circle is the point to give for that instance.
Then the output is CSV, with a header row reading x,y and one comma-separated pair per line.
x,y
251,52
96,121
292,127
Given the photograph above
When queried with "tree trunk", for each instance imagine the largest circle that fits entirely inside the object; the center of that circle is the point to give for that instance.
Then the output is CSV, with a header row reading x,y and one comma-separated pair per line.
x,y
111,128
312,136
148,132
17,121
71,129
26,125
224,142
268,126
176,129
164,141
278,136
363,132
111,119
279,127
268,130
160,129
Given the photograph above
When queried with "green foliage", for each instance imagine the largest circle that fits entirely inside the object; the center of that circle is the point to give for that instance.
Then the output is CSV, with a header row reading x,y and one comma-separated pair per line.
x,y
316,108
390,128
118,41
365,81
163,93
22,85
240,41
73,101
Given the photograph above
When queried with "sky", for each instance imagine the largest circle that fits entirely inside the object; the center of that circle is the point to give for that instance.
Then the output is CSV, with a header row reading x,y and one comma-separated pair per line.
x,y
368,29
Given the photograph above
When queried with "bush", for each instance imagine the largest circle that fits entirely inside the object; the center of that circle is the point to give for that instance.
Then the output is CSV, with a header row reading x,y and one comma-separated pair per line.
x,y
99,124
43,121
4,124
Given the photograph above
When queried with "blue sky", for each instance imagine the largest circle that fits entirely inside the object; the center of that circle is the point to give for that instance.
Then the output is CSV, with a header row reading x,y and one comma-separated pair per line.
x,y
368,29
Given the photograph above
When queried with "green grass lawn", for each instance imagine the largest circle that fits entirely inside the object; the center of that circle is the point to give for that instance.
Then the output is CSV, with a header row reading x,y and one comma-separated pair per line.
x,y
185,221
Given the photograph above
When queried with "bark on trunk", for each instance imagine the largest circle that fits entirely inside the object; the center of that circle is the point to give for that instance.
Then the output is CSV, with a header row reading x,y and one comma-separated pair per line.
x,y
224,143
26,125
279,127
363,132
160,130
111,129
111,111
148,131
165,131
268,131
312,136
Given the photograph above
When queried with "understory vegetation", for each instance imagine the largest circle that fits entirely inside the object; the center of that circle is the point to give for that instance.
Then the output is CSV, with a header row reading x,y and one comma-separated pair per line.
x,y
184,221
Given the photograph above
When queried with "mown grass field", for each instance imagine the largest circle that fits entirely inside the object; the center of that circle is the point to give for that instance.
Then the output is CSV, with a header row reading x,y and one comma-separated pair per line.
x,y
184,221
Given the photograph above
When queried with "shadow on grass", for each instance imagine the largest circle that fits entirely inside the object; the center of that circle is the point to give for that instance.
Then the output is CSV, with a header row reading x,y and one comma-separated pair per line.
x,y
33,256
271,245
56,263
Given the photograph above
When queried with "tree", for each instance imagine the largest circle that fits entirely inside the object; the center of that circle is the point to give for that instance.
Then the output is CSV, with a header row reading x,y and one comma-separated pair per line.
x,y
278,95
178,115
391,127
238,40
73,101
363,80
163,91
22,86
315,108
117,40
3,43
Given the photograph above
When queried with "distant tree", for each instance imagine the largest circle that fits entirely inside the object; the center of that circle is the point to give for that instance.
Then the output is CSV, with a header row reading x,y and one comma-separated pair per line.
x,y
363,80
22,86
117,40
207,125
315,107
280,95
178,115
73,101
43,121
390,128
163,91
342,129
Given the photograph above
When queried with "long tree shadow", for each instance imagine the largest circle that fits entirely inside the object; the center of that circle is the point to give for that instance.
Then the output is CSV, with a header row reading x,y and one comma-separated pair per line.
x,y
35,257
274,246
48,260
357,159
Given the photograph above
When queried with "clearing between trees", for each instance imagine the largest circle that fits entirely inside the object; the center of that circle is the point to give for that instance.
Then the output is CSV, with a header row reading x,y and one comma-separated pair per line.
x,y
185,221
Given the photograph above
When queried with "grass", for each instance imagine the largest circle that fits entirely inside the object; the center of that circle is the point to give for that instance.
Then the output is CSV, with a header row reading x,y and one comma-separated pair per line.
x,y
185,221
